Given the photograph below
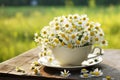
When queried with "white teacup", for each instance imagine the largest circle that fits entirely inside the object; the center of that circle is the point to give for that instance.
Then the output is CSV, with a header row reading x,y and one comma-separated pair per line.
x,y
68,56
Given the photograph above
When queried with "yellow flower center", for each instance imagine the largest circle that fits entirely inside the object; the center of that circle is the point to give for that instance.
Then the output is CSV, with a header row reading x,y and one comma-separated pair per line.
x,y
56,24
73,36
83,70
50,59
52,34
62,43
67,38
87,24
57,27
44,53
66,25
79,22
69,45
71,30
86,37
91,26
46,40
92,33
83,41
56,40
74,26
89,29
96,39
103,42
56,19
53,45
92,73
96,27
108,77
79,29
63,35
75,17
77,42
44,32
85,75
101,34
97,73
66,16
70,17
61,20
84,18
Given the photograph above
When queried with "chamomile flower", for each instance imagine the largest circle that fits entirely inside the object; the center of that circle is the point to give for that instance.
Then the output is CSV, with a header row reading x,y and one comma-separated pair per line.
x,y
35,63
50,59
73,37
36,34
65,73
19,69
55,42
69,17
45,31
36,40
84,18
67,25
85,75
76,18
96,72
97,26
108,78
84,70
104,42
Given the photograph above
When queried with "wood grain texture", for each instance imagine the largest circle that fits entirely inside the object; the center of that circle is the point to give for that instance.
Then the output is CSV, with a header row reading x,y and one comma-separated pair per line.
x,y
110,66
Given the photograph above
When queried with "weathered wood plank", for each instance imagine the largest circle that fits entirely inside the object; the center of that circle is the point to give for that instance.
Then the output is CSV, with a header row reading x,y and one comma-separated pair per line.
x,y
5,68
112,58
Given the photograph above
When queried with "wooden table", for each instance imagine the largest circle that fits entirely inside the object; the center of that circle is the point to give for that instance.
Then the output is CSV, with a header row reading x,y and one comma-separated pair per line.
x,y
110,66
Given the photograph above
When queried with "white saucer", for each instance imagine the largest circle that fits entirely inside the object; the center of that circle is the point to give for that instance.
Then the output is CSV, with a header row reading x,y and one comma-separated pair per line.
x,y
50,61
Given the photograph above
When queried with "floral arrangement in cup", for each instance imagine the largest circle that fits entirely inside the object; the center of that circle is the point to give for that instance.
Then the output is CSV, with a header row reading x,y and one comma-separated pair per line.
x,y
70,31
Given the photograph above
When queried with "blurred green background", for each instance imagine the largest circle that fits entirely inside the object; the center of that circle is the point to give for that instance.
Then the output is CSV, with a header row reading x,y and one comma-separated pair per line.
x,y
20,19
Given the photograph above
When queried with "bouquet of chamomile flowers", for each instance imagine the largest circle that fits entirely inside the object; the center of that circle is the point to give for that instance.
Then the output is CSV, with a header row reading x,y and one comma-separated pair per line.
x,y
70,31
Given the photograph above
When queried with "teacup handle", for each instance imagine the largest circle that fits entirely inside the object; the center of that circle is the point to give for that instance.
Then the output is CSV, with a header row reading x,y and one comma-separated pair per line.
x,y
97,54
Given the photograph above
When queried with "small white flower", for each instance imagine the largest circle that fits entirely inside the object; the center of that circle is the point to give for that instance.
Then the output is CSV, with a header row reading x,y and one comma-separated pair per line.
x,y
70,16
36,40
108,78
85,75
96,72
45,31
84,70
35,63
84,17
65,73
73,37
19,69
36,34
104,42
67,25
50,59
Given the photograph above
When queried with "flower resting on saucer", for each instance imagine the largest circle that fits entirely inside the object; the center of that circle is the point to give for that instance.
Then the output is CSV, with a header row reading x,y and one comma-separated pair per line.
x,y
108,78
96,72
65,73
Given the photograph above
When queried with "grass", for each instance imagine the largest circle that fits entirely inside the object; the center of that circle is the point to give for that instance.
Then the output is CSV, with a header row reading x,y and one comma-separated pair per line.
x,y
18,25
